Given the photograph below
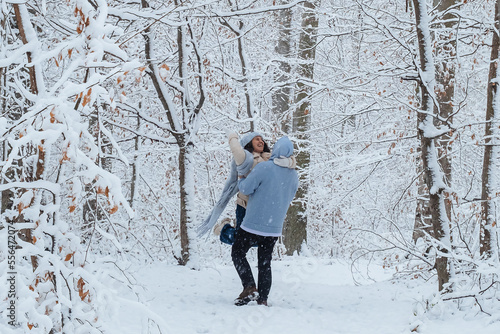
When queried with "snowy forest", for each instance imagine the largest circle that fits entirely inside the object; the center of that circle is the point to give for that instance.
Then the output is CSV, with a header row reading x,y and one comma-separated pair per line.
x,y
114,148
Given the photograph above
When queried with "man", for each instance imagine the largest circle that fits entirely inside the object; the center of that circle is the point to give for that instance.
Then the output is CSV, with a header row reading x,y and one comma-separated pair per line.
x,y
271,186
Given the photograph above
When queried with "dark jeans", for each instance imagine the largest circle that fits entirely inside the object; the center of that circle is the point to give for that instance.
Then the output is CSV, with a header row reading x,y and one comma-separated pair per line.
x,y
242,244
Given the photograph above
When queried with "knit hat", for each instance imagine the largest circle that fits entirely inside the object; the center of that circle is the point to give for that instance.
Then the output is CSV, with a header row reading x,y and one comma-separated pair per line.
x,y
248,138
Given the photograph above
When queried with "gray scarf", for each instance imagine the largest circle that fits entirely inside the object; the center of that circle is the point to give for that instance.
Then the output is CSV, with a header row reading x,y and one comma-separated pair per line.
x,y
230,189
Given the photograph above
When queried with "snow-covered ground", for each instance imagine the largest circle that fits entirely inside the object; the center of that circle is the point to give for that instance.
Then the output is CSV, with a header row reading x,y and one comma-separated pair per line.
x,y
307,296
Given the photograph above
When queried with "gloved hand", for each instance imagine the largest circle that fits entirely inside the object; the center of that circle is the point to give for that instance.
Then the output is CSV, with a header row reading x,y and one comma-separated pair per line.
x,y
228,131
231,135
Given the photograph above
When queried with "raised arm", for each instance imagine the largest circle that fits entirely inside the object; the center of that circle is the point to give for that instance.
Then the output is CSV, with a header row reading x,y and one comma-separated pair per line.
x,y
236,149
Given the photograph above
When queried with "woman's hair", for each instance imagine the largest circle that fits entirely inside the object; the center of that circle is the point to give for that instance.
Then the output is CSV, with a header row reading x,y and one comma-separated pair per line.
x,y
249,147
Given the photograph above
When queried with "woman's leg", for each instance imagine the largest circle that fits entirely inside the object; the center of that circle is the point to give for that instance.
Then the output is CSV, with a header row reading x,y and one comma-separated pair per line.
x,y
265,254
240,214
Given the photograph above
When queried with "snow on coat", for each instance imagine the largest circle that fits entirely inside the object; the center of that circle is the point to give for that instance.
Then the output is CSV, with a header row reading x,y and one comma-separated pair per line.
x,y
271,188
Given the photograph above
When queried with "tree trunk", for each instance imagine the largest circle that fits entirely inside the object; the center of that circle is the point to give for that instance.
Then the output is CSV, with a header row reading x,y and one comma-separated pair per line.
x,y
434,178
135,168
36,171
295,230
6,194
22,33
445,78
187,192
243,61
491,156
423,217
182,128
93,212
282,93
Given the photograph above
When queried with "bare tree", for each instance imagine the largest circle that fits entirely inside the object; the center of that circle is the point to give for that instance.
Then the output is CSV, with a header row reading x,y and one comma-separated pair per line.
x,y
183,116
34,172
48,157
428,133
445,39
295,229
282,93
489,191
239,32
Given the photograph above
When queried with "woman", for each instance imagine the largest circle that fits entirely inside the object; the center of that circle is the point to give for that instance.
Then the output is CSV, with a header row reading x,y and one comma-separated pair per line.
x,y
260,152
247,153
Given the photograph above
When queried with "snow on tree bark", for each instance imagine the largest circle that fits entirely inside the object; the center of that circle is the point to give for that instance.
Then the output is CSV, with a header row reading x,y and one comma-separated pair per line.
x,y
445,41
295,229
282,94
490,184
428,133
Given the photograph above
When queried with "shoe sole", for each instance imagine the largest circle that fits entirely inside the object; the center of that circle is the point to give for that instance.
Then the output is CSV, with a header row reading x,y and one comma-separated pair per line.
x,y
242,302
246,300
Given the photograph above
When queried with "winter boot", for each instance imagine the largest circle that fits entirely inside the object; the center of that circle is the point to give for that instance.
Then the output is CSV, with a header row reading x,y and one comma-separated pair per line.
x,y
246,296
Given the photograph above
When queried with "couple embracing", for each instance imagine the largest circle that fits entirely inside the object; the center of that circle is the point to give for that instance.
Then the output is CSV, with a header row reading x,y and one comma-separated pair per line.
x,y
265,184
